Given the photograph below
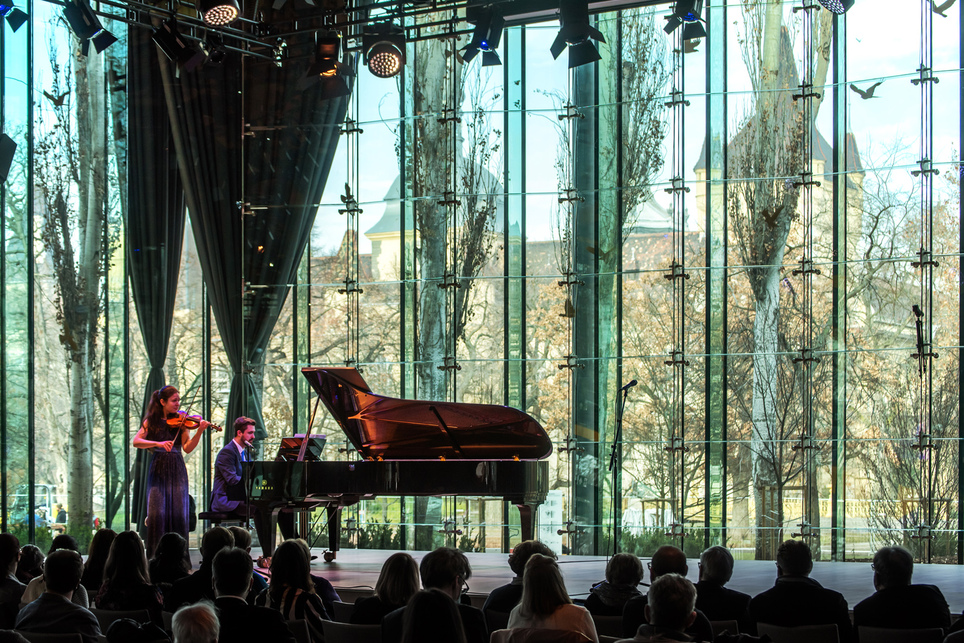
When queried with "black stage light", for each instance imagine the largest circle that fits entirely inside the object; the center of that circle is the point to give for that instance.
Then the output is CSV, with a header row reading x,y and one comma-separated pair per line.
x,y
327,69
838,6
86,26
218,13
7,149
687,13
169,40
384,47
15,17
576,33
486,37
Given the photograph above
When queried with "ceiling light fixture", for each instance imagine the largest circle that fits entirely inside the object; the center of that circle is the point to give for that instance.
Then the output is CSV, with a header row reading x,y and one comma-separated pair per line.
x,y
687,13
87,27
486,37
384,47
328,69
169,40
15,17
576,33
218,13
837,6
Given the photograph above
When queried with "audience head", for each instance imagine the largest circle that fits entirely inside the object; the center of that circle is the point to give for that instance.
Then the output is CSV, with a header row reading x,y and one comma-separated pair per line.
x,y
214,540
716,565
624,569
291,567
196,623
98,552
31,563
242,537
398,580
893,567
63,541
232,570
794,559
521,553
432,615
668,560
127,562
543,589
445,569
671,602
170,550
9,552
63,570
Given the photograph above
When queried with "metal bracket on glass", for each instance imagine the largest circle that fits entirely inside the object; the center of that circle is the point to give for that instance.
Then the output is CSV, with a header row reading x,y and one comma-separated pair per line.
x,y
806,531
570,529
569,195
924,442
676,359
350,527
448,198
926,167
806,91
925,259
571,112
676,531
806,180
453,531
449,116
925,75
806,268
806,443
676,445
351,203
247,209
677,186
351,287
351,127
571,363
570,446
924,532
806,7
677,271
449,365
449,280
806,357
570,280
676,98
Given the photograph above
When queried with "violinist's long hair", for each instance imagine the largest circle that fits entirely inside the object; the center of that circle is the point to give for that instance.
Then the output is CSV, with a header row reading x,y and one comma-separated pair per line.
x,y
155,412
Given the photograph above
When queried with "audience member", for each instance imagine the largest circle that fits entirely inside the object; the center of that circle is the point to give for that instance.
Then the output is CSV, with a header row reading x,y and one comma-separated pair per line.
x,y
717,602
170,562
196,623
197,586
10,636
97,554
232,569
432,615
54,612
670,610
127,582
623,574
31,563
37,586
666,560
896,603
11,589
796,599
545,602
292,592
504,598
242,540
446,569
396,584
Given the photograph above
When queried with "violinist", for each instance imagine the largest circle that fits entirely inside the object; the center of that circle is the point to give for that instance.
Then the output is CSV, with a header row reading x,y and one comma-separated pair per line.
x,y
167,433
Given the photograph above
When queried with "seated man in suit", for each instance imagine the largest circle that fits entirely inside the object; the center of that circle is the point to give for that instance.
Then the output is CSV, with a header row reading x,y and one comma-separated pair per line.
x,y
197,586
796,599
11,589
896,603
667,560
446,569
504,598
239,621
228,493
53,612
670,610
712,598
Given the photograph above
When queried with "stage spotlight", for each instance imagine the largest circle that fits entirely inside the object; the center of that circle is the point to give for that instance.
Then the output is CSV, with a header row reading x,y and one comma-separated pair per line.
x,y
576,32
687,13
384,47
175,47
837,6
86,25
218,13
213,49
485,38
328,69
7,149
15,17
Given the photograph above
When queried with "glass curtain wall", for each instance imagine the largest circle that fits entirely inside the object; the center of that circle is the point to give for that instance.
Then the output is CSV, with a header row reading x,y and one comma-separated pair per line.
x,y
723,274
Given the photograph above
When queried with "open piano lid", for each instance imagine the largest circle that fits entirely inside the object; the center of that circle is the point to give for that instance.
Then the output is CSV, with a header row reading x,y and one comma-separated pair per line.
x,y
392,429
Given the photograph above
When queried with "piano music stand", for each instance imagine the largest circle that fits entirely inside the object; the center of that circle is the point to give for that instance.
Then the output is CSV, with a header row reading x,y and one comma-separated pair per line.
x,y
302,448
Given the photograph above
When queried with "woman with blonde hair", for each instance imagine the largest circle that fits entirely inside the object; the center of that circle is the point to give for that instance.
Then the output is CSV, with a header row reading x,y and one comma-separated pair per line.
x,y
546,603
397,583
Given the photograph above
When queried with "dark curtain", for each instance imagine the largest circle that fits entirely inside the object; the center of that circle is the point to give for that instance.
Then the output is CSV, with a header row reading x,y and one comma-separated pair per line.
x,y
279,169
155,225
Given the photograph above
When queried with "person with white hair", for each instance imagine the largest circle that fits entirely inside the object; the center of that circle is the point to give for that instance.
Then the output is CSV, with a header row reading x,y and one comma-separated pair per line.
x,y
196,623
670,610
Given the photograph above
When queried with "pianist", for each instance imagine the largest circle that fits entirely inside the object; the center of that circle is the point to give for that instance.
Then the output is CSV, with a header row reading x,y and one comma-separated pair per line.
x,y
229,490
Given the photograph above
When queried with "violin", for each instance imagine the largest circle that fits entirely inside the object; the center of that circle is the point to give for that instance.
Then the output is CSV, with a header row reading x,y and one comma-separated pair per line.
x,y
190,422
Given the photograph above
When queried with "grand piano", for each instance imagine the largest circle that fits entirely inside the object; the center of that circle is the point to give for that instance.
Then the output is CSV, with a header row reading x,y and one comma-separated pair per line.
x,y
406,448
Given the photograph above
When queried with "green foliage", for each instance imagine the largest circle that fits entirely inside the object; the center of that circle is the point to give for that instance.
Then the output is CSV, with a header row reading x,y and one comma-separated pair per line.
x,y
42,537
648,541
379,535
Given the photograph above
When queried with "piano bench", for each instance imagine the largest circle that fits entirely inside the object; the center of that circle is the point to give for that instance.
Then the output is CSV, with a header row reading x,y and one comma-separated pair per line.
x,y
217,518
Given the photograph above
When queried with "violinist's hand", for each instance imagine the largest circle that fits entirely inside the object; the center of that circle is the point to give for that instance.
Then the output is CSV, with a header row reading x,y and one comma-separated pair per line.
x,y
203,425
167,446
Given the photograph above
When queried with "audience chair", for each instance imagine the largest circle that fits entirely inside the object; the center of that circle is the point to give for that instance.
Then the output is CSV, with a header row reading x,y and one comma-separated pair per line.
x,y
800,634
496,620
347,633
106,617
37,637
343,611
719,627
168,619
537,635
217,519
887,635
955,637
299,628
608,625
609,639
352,594
477,600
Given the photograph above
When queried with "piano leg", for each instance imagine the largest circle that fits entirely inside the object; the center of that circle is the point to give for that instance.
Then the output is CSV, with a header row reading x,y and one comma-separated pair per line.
x,y
333,513
266,535
525,521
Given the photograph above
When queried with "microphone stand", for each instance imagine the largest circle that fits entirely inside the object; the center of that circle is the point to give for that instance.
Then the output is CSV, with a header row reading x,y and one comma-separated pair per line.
x,y
617,439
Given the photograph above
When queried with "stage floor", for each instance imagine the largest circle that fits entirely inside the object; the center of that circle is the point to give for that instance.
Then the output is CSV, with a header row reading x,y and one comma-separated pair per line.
x,y
355,571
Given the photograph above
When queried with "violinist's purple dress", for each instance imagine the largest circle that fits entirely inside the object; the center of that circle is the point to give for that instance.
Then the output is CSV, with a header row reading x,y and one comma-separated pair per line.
x,y
168,506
